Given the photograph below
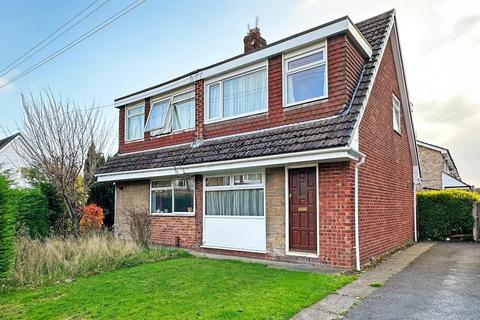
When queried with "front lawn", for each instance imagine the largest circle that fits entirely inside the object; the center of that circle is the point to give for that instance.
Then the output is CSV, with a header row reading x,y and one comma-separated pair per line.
x,y
184,288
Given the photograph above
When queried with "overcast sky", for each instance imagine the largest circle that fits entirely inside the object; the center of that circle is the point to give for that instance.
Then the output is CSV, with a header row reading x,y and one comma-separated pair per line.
x,y
159,40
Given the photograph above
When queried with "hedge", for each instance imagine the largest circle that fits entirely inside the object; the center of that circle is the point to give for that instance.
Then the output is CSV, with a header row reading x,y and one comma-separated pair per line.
x,y
32,212
56,207
444,213
6,227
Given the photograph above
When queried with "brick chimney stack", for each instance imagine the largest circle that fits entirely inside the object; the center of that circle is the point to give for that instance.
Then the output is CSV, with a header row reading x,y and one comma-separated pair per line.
x,y
253,40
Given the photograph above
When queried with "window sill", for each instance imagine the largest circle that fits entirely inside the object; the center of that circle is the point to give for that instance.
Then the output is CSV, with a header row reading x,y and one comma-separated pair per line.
x,y
134,140
192,214
397,132
305,103
172,133
264,111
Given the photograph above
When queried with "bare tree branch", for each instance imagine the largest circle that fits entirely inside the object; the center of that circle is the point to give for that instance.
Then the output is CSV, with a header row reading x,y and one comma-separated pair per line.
x,y
59,134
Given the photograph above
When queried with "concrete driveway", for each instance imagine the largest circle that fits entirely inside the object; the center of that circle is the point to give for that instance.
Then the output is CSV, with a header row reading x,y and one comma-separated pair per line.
x,y
443,283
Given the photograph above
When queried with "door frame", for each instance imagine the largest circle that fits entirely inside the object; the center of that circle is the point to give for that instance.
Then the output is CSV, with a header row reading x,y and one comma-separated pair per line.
x,y
287,208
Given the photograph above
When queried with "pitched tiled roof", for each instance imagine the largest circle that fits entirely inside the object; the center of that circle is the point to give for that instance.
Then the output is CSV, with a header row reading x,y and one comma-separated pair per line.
x,y
7,140
320,134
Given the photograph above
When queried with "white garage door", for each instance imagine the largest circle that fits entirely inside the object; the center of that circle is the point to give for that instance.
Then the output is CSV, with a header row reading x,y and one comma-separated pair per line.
x,y
235,212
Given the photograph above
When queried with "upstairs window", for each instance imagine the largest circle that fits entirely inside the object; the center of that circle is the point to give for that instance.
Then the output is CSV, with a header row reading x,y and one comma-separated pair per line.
x,y
237,96
396,113
135,117
305,77
174,113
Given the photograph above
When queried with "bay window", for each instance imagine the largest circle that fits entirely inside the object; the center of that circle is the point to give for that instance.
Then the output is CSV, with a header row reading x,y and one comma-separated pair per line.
x,y
237,96
305,77
173,113
134,119
239,195
172,196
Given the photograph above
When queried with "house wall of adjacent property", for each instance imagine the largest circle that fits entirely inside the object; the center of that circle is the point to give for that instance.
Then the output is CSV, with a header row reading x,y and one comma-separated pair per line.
x,y
11,161
344,65
386,177
432,164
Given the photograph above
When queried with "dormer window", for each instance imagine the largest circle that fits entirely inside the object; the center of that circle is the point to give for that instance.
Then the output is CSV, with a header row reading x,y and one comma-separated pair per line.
x,y
173,113
304,77
237,95
135,117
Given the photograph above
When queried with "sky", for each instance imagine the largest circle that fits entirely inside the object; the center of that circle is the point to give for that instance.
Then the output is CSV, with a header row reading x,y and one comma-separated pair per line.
x,y
160,40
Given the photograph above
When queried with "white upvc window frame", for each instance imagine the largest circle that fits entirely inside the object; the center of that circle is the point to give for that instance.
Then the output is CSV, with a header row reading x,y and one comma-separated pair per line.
x,y
396,108
170,98
136,115
232,187
172,188
297,54
232,75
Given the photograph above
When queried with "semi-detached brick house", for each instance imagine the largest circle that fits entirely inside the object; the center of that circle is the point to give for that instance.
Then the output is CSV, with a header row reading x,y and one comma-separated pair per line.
x,y
301,150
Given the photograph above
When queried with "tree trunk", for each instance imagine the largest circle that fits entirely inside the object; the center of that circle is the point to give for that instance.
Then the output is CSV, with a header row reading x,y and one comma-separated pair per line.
x,y
76,224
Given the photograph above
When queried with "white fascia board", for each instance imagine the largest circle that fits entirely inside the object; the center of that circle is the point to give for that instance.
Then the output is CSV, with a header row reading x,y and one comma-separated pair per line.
x,y
432,147
343,25
327,155
359,40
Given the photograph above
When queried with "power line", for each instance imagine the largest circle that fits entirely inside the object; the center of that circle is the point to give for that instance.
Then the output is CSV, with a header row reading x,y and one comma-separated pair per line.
x,y
14,129
13,64
83,37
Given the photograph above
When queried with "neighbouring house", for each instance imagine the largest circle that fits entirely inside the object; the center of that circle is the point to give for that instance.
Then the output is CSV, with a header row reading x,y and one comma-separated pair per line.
x,y
300,150
438,169
10,160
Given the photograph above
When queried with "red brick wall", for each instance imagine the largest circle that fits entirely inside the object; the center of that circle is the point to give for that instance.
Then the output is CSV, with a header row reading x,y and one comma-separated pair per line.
x,y
165,229
344,65
336,202
386,183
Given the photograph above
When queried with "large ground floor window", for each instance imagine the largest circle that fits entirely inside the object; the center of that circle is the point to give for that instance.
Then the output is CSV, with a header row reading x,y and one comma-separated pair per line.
x,y
172,196
235,211
235,195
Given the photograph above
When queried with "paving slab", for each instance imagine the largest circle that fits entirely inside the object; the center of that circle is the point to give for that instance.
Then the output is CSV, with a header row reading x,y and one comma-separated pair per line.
x,y
337,305
314,314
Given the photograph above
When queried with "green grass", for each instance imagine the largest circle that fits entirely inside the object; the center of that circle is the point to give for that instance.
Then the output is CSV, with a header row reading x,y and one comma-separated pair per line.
x,y
184,288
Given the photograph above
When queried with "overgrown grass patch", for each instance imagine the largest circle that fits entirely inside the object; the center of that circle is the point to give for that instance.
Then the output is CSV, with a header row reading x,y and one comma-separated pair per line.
x,y
52,260
186,288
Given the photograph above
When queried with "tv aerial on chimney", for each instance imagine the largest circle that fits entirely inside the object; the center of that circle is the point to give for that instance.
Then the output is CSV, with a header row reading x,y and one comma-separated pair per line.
x,y
257,21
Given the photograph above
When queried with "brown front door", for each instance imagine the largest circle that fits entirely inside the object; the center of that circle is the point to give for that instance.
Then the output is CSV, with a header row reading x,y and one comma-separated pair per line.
x,y
302,209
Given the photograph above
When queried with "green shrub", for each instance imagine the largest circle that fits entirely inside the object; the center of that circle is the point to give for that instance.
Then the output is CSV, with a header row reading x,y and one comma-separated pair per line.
x,y
6,228
103,195
445,212
31,208
56,207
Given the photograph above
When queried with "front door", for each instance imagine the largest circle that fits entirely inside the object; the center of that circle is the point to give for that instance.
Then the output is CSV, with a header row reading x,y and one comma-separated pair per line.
x,y
302,209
